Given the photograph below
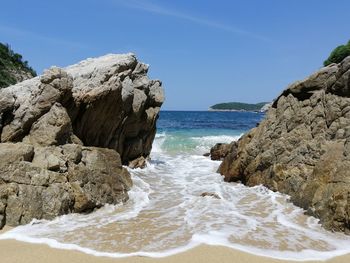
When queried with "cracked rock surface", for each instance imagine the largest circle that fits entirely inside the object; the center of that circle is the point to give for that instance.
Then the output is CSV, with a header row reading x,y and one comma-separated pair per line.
x,y
66,134
302,148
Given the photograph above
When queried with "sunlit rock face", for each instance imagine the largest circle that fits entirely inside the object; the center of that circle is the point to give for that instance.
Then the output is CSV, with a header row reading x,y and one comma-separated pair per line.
x,y
66,134
302,148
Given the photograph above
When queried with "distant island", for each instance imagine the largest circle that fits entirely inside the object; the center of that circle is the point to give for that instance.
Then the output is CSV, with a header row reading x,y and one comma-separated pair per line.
x,y
240,106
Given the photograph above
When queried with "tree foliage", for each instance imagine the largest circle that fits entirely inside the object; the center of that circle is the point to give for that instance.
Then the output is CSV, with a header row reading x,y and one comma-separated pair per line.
x,y
238,106
10,64
338,54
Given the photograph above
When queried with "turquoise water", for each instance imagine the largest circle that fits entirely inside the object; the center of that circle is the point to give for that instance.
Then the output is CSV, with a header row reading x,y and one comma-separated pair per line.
x,y
197,131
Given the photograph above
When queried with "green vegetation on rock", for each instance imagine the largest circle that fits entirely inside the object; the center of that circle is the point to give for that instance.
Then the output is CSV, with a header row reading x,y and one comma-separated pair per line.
x,y
239,106
12,68
338,54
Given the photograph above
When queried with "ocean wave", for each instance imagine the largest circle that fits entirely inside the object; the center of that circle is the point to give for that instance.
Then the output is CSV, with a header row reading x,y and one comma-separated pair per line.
x,y
183,143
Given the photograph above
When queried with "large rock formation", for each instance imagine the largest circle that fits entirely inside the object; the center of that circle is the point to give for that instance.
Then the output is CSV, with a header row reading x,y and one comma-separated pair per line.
x,y
302,148
66,134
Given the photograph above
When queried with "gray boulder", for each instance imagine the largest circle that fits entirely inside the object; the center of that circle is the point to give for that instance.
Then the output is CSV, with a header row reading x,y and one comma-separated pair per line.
x,y
53,128
66,134
110,101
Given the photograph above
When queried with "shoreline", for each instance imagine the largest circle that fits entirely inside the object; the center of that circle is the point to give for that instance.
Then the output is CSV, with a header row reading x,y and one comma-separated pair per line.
x,y
13,251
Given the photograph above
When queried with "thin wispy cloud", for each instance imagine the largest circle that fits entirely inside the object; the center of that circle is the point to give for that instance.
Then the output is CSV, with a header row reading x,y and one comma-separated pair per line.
x,y
161,10
17,32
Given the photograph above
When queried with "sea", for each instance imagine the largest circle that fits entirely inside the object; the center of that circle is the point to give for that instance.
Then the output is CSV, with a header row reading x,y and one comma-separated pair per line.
x,y
166,213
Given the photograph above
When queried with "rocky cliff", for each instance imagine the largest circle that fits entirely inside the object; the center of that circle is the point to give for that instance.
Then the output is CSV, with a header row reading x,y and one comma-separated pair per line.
x,y
12,68
66,134
302,147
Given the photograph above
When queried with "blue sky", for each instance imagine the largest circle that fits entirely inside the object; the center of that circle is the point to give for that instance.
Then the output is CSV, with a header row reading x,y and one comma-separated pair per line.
x,y
204,51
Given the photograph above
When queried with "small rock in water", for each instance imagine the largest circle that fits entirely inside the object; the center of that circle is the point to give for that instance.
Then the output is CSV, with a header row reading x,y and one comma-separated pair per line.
x,y
213,195
220,150
140,162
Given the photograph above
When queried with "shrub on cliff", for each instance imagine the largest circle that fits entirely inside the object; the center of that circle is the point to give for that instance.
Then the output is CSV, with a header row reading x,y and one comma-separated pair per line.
x,y
12,67
338,54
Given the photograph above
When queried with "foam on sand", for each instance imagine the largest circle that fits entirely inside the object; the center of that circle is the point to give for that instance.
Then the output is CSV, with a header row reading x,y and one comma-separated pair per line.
x,y
166,214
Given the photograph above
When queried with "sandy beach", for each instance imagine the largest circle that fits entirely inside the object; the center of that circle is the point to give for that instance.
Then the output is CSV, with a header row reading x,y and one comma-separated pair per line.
x,y
174,131
13,251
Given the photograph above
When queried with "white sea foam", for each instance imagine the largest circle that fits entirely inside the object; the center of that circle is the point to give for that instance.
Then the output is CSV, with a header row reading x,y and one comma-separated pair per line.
x,y
205,142
167,215
179,143
158,142
209,141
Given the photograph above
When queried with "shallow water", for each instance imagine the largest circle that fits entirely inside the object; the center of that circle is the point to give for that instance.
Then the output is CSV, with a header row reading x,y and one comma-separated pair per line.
x,y
166,213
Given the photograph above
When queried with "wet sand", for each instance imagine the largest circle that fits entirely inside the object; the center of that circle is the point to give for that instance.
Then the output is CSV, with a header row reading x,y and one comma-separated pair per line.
x,y
12,251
